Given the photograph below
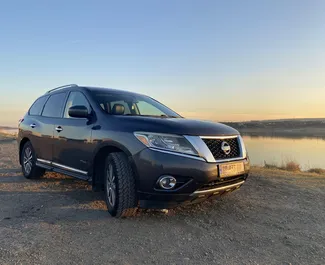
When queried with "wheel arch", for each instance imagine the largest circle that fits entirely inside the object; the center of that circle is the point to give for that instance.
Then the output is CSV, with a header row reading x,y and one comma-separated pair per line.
x,y
21,146
98,162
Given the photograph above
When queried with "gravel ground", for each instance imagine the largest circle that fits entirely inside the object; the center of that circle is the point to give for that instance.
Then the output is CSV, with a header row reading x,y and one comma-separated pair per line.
x,y
8,153
275,218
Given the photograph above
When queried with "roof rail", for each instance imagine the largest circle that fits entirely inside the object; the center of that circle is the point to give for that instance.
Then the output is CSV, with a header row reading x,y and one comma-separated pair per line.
x,y
61,87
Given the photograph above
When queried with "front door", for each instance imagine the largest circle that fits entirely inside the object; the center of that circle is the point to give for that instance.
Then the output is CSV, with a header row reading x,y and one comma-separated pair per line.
x,y
72,149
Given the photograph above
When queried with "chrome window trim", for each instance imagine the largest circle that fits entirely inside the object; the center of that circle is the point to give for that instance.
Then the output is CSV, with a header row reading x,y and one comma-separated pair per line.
x,y
62,166
177,154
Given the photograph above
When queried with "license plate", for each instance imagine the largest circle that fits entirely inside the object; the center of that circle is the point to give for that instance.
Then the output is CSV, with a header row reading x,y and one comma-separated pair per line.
x,y
231,169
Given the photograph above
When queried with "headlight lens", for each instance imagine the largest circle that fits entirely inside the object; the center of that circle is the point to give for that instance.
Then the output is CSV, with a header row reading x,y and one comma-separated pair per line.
x,y
174,143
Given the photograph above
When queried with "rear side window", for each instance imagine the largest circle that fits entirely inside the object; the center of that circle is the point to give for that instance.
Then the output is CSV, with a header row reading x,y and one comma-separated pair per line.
x,y
37,107
54,106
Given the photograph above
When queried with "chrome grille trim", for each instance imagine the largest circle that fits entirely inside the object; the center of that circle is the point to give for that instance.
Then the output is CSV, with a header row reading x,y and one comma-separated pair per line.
x,y
219,137
204,151
214,145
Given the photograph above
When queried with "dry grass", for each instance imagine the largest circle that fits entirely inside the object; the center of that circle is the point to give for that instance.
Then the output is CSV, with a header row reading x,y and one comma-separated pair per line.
x,y
271,166
293,167
289,166
319,171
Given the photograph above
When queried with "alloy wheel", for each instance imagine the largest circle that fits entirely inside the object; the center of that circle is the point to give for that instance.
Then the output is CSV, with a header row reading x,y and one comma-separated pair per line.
x,y
28,160
111,185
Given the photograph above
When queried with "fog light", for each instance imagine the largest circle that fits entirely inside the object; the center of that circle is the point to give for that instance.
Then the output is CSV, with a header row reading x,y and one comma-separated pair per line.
x,y
167,182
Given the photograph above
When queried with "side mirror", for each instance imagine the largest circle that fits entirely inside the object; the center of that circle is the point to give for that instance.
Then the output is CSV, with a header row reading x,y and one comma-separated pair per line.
x,y
78,112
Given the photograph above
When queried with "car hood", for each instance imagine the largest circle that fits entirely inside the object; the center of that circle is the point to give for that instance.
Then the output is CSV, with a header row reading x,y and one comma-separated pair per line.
x,y
179,126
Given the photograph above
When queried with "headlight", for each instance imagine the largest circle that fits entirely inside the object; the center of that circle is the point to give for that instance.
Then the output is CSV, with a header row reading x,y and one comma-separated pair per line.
x,y
174,143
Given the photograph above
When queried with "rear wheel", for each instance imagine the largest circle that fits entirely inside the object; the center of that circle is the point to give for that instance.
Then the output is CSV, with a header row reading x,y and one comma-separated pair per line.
x,y
120,191
28,162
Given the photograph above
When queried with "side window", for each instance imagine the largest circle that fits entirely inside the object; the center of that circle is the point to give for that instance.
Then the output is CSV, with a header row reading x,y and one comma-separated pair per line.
x,y
75,99
37,107
148,109
53,107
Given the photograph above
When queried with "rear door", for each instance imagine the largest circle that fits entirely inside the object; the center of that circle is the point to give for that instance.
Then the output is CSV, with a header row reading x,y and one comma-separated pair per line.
x,y
32,127
72,149
52,112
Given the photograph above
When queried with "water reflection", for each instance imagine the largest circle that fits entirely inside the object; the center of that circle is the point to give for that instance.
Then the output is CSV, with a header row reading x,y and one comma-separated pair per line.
x,y
308,152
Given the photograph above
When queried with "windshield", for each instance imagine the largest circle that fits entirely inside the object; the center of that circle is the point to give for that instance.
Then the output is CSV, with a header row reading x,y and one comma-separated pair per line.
x,y
135,105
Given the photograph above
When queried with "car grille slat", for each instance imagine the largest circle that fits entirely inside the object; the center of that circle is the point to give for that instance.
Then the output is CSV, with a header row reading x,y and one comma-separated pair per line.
x,y
214,146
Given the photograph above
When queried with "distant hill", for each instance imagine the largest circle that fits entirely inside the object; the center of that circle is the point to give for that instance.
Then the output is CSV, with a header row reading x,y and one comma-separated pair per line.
x,y
283,122
284,127
291,120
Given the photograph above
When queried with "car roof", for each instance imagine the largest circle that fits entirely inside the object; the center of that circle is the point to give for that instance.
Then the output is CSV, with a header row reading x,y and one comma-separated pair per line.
x,y
89,88
113,90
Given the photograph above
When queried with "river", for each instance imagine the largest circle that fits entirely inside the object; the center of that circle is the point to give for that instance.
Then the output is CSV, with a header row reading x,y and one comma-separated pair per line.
x,y
308,152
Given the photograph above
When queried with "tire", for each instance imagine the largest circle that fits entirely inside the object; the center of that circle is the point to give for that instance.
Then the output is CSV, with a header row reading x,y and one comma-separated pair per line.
x,y
120,191
28,163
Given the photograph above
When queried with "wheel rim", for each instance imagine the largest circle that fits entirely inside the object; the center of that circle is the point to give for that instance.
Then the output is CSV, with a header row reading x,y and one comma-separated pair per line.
x,y
28,160
111,185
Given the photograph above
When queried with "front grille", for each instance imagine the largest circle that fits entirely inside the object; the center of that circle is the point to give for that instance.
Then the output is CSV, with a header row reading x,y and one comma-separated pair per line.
x,y
215,147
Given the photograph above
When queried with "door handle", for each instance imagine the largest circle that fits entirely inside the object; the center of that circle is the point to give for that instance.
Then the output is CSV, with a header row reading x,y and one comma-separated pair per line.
x,y
58,129
33,125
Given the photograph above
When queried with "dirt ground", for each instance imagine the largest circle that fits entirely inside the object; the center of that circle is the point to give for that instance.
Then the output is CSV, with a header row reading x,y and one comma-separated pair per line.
x,y
275,218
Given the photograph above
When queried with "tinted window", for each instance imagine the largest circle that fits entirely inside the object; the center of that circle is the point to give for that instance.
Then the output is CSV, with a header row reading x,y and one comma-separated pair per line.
x,y
148,109
53,107
76,99
121,102
136,105
37,107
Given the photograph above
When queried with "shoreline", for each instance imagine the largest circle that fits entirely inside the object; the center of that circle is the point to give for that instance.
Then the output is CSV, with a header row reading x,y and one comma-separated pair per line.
x,y
275,169
294,133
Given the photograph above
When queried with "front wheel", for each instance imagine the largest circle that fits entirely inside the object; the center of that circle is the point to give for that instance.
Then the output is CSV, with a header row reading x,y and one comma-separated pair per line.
x,y
28,162
120,191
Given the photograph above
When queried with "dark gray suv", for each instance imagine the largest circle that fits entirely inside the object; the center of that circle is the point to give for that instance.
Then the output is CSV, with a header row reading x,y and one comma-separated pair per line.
x,y
141,153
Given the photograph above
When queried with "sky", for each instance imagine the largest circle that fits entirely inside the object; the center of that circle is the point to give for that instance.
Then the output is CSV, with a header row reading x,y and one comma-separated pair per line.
x,y
206,59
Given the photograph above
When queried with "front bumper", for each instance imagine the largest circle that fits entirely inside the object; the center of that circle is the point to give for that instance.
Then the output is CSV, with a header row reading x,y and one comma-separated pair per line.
x,y
199,180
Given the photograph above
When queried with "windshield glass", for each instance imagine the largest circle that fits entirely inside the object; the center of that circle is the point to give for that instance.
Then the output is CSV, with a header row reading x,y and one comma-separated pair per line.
x,y
136,105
